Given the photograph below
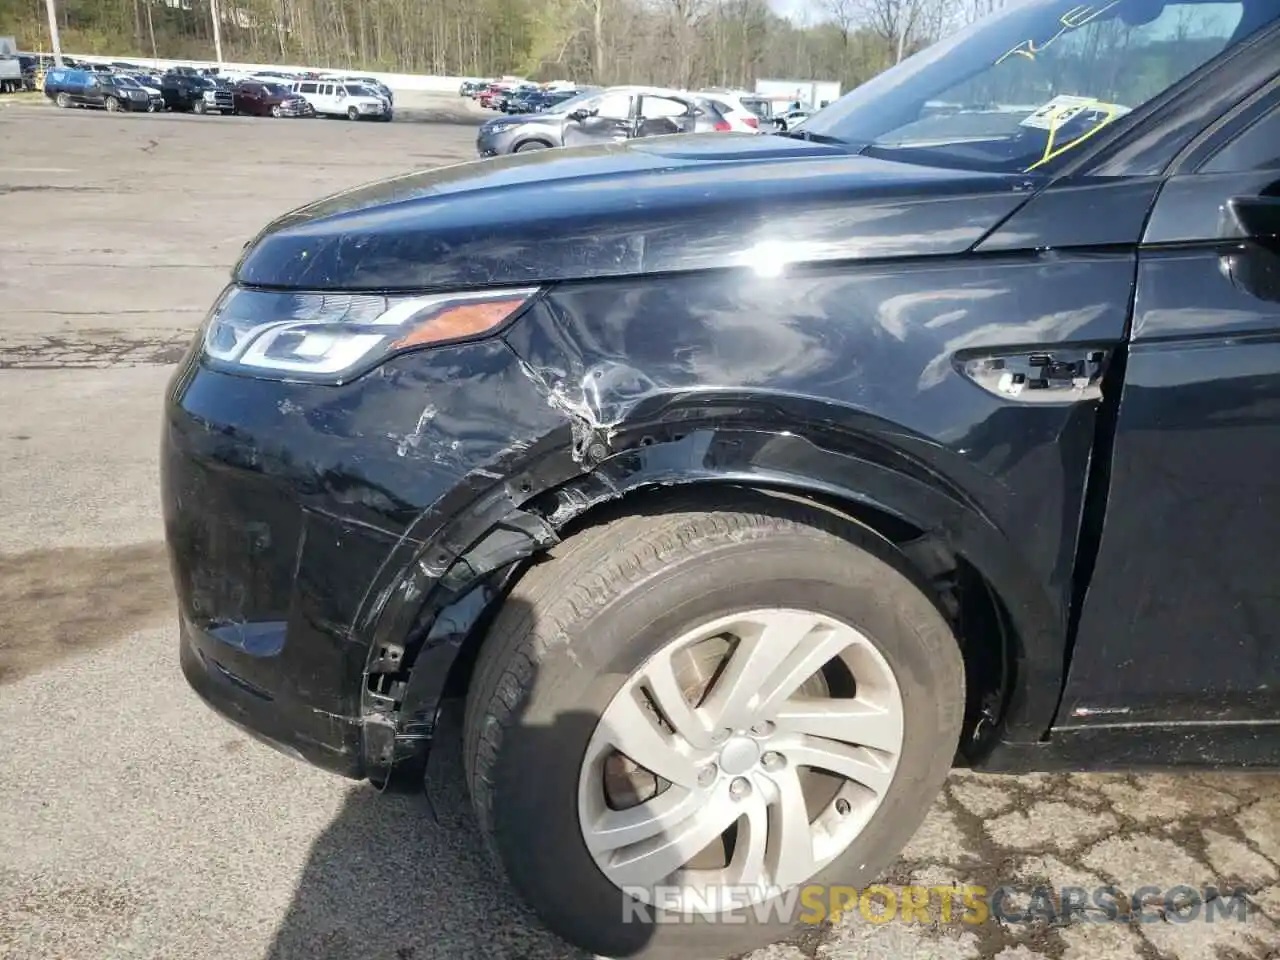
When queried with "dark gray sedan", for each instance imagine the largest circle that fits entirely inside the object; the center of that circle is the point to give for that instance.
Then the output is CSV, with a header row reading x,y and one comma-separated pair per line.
x,y
602,116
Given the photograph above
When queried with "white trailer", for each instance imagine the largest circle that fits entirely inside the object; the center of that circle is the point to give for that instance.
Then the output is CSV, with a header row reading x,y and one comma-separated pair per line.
x,y
814,94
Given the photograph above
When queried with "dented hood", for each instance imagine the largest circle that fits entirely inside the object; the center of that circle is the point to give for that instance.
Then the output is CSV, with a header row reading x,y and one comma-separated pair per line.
x,y
653,205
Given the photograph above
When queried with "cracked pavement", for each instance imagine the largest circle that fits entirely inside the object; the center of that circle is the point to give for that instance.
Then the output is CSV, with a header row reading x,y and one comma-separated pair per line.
x,y
136,823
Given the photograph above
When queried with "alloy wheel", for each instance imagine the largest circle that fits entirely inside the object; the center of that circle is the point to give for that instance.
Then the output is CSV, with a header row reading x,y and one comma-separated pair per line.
x,y
748,753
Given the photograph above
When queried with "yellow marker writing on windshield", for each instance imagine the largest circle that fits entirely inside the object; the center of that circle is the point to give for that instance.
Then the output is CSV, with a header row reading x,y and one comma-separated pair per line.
x,y
1073,19
1059,115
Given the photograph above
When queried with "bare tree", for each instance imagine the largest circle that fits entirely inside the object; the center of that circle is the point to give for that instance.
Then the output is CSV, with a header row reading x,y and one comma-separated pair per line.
x,y
844,14
899,23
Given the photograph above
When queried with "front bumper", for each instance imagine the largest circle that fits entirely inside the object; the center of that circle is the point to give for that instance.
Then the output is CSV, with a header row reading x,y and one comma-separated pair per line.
x,y
293,512
288,724
493,144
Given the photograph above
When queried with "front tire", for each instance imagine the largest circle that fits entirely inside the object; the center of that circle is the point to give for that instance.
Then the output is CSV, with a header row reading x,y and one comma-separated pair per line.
x,y
112,105
530,146
62,100
588,654
353,113
199,107
277,112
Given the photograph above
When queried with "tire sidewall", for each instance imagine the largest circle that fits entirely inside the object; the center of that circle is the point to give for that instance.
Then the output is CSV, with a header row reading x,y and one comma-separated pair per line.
x,y
534,798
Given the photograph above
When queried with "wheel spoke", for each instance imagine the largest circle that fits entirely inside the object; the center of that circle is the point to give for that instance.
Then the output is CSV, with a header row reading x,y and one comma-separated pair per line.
x,y
854,763
821,646
614,829
751,846
653,861
634,731
660,680
849,721
790,835
753,662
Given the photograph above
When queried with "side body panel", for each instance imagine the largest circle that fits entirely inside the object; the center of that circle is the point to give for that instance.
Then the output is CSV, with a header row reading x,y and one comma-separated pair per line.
x,y
862,359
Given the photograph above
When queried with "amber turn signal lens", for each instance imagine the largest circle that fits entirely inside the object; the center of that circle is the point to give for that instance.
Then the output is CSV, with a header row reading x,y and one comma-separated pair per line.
x,y
460,320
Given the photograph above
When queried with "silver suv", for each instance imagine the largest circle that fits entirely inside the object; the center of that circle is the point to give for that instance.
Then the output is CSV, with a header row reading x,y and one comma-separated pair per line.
x,y
602,116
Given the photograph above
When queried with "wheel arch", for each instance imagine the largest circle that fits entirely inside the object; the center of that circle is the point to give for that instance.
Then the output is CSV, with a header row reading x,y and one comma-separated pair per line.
x,y
434,617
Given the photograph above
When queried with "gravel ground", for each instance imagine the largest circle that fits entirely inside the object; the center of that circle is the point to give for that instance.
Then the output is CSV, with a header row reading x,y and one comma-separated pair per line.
x,y
136,823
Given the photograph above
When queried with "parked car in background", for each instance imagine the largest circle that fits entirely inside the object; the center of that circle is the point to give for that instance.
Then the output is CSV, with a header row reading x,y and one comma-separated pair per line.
x,y
332,99
791,118
606,116
489,94
259,99
216,95
736,109
155,100
369,83
538,101
503,100
88,88
182,93
470,87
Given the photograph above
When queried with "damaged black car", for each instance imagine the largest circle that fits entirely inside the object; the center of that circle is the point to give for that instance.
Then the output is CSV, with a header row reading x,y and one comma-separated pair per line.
x,y
735,528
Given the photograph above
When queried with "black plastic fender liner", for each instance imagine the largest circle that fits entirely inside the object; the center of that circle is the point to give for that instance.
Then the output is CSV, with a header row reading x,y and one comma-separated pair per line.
x,y
445,592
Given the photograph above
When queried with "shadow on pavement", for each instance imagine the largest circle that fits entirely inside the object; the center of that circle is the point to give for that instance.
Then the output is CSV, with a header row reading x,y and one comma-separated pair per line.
x,y
385,881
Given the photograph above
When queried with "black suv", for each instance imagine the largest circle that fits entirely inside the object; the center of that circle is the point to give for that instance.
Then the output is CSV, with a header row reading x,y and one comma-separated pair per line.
x,y
736,530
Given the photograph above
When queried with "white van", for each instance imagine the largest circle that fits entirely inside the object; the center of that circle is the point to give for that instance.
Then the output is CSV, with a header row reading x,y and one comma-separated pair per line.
x,y
337,99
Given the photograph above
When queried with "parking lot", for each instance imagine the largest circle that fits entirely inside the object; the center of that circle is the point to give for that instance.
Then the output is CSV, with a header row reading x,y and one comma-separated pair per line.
x,y
136,823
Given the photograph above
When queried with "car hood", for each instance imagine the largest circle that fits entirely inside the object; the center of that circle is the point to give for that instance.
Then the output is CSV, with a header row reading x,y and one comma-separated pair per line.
x,y
672,203
511,119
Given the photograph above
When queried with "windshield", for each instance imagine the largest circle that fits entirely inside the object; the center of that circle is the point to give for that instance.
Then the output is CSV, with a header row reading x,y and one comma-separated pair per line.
x,y
355,90
127,82
1025,86
277,90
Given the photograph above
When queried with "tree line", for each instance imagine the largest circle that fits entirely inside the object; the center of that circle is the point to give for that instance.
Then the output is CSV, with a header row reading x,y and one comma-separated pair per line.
x,y
682,43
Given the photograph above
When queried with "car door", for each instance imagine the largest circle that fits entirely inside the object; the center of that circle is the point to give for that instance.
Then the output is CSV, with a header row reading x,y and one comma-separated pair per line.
x,y
1181,622
659,116
607,121
248,98
94,92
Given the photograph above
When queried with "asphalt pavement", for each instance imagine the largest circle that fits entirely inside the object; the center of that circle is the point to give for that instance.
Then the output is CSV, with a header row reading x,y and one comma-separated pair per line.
x,y
136,823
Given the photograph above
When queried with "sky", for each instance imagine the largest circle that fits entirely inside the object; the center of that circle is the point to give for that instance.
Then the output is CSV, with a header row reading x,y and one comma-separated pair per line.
x,y
798,10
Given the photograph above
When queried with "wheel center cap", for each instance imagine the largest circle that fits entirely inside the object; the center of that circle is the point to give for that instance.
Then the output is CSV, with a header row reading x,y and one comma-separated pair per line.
x,y
739,755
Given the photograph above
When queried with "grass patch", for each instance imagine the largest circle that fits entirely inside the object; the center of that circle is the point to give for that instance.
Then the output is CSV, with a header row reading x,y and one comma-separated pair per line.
x,y
27,97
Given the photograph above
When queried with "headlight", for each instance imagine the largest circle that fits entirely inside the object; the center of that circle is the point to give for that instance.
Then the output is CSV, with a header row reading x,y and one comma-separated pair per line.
x,y
500,128
334,337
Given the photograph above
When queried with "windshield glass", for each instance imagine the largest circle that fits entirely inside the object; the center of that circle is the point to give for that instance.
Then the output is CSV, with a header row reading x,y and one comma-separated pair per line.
x,y
355,90
127,82
1025,86
277,90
